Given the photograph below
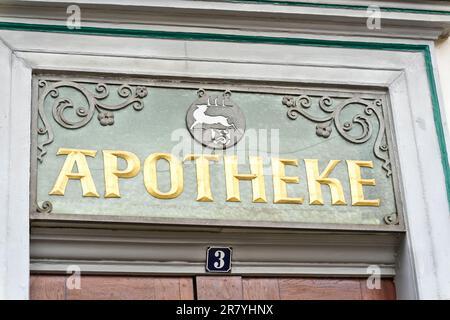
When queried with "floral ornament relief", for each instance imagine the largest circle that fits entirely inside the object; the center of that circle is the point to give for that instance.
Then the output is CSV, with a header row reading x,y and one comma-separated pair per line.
x,y
95,103
106,118
331,119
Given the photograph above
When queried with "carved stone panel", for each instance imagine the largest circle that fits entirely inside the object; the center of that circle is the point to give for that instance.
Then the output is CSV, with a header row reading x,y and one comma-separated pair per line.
x,y
186,152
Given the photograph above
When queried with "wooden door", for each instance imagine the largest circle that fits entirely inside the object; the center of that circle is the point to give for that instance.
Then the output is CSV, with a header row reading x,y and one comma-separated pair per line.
x,y
207,288
56,287
289,288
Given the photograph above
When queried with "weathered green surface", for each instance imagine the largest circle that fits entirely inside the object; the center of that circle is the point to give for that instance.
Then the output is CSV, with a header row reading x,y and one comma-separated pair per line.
x,y
160,127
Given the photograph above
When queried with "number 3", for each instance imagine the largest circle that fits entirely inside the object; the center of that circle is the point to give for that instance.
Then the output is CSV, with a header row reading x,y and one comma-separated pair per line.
x,y
219,254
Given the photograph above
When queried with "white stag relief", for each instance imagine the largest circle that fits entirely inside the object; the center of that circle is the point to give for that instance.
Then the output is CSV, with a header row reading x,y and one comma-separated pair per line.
x,y
201,117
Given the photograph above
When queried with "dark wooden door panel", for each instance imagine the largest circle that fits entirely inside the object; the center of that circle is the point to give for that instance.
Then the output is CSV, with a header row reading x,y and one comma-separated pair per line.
x,y
260,289
219,288
207,288
263,288
133,288
112,287
386,292
319,289
44,287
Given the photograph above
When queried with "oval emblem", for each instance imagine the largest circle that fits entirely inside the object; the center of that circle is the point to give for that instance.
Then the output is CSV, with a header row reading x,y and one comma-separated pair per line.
x,y
215,120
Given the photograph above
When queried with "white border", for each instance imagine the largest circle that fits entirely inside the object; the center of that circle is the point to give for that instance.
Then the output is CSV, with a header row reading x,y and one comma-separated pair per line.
x,y
14,169
425,256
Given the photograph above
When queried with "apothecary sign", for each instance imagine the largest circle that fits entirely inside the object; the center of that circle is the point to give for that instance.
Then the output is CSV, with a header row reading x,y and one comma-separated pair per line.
x,y
179,151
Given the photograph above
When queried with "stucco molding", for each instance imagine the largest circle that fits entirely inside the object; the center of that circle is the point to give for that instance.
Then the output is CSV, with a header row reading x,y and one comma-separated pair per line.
x,y
413,21
14,169
402,73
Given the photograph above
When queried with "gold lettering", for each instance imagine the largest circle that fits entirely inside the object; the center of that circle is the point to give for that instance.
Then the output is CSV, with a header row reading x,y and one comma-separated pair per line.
x,y
78,157
280,180
112,173
203,177
151,180
315,180
357,183
232,178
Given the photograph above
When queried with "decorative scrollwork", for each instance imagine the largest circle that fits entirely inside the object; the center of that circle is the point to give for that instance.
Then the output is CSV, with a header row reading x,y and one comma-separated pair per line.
x,y
324,124
45,207
94,103
391,219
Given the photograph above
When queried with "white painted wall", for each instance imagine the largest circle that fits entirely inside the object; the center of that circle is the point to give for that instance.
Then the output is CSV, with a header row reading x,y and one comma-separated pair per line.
x,y
15,137
427,204
443,61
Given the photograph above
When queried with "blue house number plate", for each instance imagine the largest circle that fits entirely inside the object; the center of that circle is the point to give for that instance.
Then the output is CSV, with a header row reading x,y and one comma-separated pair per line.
x,y
218,259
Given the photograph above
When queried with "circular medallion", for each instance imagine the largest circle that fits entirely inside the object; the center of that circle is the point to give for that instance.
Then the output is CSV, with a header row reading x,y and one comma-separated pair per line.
x,y
215,120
